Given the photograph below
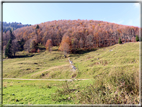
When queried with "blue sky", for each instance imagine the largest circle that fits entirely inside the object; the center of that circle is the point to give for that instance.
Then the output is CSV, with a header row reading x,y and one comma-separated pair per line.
x,y
36,13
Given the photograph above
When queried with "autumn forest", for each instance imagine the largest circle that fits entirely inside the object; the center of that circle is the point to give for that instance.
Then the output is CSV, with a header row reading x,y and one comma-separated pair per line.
x,y
69,35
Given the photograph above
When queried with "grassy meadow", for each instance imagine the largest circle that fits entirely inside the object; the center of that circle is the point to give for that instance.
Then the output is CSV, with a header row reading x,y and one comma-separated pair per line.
x,y
113,74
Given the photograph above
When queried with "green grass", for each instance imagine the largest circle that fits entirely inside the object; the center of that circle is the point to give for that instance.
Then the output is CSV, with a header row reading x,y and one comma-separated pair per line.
x,y
114,77
28,92
123,57
36,92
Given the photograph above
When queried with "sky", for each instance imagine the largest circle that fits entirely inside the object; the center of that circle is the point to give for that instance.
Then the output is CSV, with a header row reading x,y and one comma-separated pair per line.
x,y
36,13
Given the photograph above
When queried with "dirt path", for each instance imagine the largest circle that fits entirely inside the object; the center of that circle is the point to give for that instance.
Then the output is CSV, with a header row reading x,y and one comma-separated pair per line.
x,y
46,79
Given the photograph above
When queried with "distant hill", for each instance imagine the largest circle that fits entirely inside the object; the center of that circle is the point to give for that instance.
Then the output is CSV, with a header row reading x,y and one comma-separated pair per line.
x,y
77,34
13,25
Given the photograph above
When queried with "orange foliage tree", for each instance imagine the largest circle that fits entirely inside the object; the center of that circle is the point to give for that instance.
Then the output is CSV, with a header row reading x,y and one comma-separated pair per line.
x,y
104,33
49,45
65,45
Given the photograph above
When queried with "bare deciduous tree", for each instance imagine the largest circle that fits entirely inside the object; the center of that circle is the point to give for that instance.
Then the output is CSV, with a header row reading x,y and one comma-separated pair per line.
x,y
30,45
15,46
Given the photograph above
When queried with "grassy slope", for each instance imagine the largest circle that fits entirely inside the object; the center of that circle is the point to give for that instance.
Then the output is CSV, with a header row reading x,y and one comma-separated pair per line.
x,y
37,92
115,76
123,57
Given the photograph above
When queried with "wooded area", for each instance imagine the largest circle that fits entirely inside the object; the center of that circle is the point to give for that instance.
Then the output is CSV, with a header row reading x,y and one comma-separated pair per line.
x,y
70,35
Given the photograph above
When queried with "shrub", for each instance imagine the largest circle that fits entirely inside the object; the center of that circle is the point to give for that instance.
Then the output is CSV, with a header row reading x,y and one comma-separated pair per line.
x,y
63,94
117,88
38,50
119,41
137,38
32,51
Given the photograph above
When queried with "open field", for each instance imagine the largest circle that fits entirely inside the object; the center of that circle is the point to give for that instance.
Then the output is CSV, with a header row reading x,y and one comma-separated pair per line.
x,y
113,72
114,58
37,92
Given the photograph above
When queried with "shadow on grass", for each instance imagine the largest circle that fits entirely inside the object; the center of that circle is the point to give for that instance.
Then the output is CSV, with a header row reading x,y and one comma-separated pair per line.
x,y
81,52
22,56
42,48
85,51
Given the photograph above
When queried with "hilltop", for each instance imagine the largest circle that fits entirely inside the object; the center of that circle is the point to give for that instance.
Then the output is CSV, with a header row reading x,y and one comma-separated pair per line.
x,y
13,25
77,34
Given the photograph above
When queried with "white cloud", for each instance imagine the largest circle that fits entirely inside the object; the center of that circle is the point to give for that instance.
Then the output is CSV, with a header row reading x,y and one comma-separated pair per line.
x,y
133,22
118,22
130,22
137,5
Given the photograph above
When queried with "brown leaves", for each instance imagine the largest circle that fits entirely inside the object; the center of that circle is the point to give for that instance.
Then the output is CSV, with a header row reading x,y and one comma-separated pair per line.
x,y
48,45
65,44
103,33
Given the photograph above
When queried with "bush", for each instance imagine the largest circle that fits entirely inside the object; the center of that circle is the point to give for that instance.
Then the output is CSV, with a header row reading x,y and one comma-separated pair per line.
x,y
117,88
38,50
119,41
32,51
137,38
63,94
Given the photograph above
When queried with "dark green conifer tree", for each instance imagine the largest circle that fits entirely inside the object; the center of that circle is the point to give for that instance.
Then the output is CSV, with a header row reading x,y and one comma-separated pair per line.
x,y
137,38
21,44
37,27
119,41
8,51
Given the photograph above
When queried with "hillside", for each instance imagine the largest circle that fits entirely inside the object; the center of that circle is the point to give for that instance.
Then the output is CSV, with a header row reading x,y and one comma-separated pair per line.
x,y
113,74
13,25
103,61
77,34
